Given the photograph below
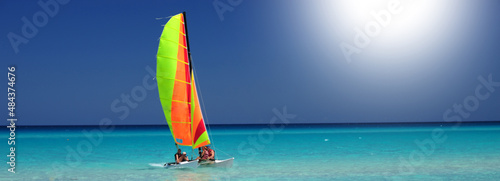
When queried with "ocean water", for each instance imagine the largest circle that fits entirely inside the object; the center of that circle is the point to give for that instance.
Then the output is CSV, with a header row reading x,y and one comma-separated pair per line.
x,y
262,152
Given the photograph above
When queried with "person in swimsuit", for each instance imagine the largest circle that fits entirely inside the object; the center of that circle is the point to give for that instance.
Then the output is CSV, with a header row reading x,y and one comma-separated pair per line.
x,y
204,155
180,157
211,153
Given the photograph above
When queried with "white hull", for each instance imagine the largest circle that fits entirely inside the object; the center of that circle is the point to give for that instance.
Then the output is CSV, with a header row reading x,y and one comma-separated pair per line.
x,y
227,163
185,164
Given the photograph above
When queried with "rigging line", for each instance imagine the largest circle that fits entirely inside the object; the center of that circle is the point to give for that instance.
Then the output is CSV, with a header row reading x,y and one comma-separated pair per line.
x,y
168,17
203,104
224,152
164,17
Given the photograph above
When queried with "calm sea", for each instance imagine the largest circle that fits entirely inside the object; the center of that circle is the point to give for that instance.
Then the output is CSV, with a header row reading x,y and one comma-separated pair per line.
x,y
262,152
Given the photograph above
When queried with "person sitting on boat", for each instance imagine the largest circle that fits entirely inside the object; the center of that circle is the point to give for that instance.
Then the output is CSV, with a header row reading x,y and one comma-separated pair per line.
x,y
184,157
180,157
211,153
204,154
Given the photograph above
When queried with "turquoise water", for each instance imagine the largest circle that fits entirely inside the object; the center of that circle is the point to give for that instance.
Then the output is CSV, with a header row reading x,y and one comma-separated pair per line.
x,y
262,152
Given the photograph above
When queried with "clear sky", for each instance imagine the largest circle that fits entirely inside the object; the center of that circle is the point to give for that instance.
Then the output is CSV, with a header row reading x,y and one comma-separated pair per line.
x,y
407,62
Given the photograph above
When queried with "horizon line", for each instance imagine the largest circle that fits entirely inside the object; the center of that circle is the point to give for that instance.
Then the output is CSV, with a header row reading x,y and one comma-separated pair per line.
x,y
252,124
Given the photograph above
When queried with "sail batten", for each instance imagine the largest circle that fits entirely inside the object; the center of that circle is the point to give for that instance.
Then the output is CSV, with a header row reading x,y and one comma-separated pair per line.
x,y
176,86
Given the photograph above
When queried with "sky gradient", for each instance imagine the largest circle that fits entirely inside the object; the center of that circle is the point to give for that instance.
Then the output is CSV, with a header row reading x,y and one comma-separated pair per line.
x,y
91,59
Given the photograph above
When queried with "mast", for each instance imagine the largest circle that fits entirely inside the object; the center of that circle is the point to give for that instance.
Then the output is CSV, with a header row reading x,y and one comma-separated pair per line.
x,y
190,67
187,41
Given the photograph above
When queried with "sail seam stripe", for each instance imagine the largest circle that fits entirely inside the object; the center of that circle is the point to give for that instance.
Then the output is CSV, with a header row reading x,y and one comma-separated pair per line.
x,y
181,101
180,122
176,30
178,19
173,59
174,42
176,100
173,79
182,81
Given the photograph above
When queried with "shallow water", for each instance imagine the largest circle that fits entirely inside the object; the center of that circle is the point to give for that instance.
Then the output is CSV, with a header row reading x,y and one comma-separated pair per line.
x,y
263,152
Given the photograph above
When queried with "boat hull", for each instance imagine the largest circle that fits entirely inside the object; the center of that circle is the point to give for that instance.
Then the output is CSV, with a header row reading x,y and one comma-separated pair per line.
x,y
185,164
227,163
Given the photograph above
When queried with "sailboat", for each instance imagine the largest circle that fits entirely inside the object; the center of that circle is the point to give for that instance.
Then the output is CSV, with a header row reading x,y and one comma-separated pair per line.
x,y
177,90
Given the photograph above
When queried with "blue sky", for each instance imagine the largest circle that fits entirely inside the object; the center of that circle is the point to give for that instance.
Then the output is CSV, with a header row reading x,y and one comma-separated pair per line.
x,y
261,55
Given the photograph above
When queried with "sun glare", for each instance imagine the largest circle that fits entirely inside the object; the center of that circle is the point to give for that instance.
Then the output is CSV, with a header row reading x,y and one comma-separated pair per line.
x,y
380,25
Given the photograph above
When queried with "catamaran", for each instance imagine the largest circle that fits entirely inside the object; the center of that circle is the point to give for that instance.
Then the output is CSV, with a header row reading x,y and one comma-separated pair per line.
x,y
178,94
